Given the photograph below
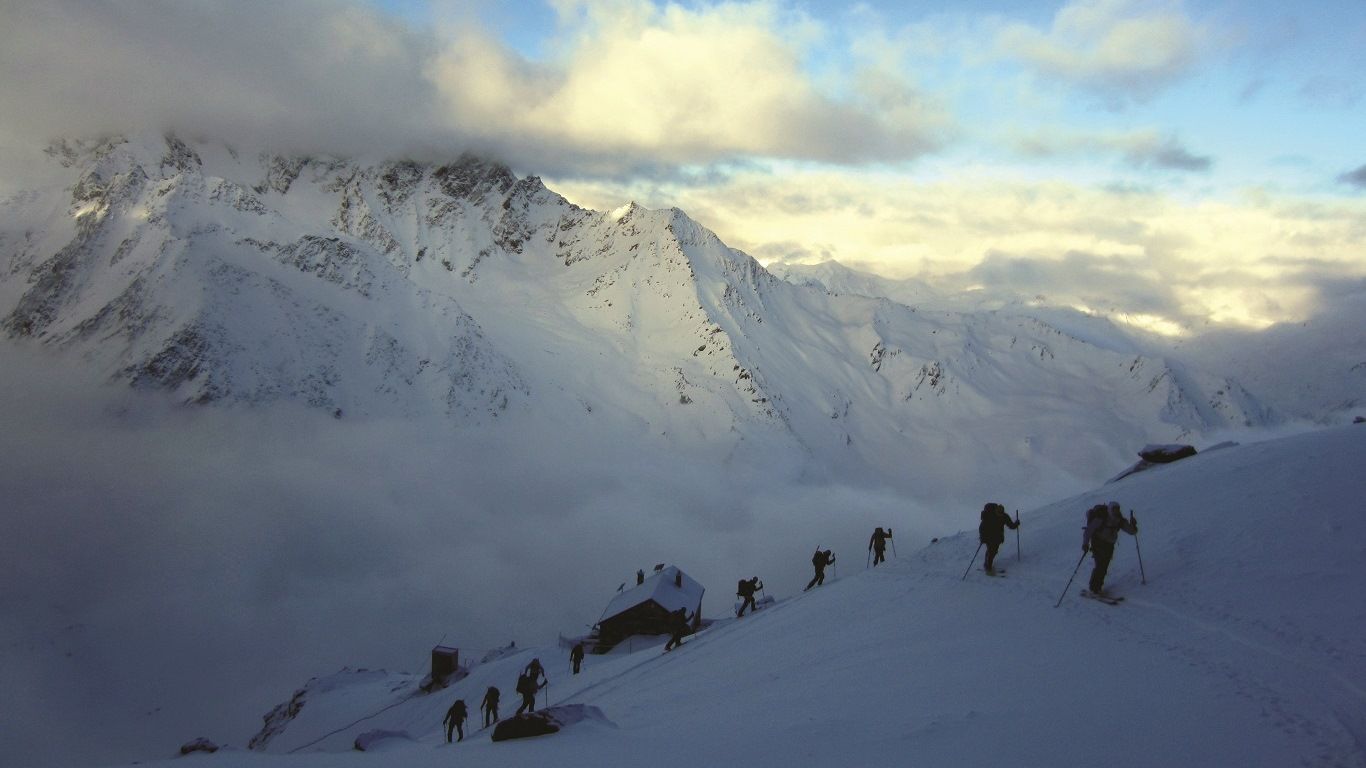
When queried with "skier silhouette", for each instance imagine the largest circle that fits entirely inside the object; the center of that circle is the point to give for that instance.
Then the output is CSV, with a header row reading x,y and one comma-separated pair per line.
x,y
819,561
678,623
455,720
878,544
992,531
746,589
490,706
1103,525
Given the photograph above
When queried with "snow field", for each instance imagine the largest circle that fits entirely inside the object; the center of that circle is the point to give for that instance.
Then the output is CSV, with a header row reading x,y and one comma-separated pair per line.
x,y
1244,648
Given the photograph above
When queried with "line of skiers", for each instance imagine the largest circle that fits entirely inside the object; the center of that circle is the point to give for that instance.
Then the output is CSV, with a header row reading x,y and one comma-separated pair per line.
x,y
529,683
1103,524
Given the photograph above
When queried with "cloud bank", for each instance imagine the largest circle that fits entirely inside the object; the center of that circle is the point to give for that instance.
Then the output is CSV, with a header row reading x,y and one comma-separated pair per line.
x,y
627,86
1251,261
172,572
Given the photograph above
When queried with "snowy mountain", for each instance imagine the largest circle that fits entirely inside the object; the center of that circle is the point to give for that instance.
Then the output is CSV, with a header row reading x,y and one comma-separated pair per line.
x,y
402,289
1314,370
1235,646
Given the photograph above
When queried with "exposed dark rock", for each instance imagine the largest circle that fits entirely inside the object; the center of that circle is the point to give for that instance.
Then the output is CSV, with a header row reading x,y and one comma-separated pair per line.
x,y
370,739
546,721
277,719
200,744
1166,454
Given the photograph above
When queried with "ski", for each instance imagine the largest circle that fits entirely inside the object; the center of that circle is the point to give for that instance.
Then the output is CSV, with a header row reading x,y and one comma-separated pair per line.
x,y
998,573
1102,598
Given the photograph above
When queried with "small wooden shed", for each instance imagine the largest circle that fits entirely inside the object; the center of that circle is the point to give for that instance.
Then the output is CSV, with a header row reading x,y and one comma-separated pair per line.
x,y
445,661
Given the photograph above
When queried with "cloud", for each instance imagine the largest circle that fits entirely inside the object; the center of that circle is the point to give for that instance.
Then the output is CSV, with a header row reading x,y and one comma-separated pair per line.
x,y
1220,260
315,74
174,572
1124,50
1356,178
681,85
1139,149
625,84
1131,284
1332,92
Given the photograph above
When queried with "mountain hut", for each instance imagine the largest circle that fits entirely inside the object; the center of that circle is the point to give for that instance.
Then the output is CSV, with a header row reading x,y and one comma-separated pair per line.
x,y
645,608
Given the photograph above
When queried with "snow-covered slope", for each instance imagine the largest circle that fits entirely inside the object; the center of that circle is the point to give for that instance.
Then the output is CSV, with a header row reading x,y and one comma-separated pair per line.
x,y
1314,370
400,289
1245,647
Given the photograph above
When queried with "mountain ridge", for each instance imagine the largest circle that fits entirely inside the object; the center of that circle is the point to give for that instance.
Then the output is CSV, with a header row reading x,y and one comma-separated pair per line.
x,y
405,289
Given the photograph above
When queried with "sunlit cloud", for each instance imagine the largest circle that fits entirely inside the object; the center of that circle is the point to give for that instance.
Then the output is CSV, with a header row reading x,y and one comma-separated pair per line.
x,y
681,84
1122,49
798,134
1249,261
626,86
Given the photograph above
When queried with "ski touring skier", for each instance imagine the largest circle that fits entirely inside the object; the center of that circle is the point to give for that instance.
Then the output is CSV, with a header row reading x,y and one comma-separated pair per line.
x,y
489,706
576,656
455,720
819,560
878,544
745,590
1103,524
992,531
532,680
678,624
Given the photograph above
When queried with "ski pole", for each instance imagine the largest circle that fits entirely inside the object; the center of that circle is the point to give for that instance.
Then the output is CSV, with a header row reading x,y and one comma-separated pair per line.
x,y
973,560
893,538
1069,581
868,559
1018,556
1134,523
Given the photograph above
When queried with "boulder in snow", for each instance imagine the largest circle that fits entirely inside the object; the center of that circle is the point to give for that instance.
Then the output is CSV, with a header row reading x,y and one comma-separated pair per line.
x,y
200,744
370,740
546,721
1153,455
1166,454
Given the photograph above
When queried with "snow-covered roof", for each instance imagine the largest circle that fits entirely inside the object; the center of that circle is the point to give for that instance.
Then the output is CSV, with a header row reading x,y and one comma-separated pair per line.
x,y
661,587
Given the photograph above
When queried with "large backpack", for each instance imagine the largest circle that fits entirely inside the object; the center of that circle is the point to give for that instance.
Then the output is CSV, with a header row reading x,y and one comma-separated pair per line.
x,y
742,587
1098,512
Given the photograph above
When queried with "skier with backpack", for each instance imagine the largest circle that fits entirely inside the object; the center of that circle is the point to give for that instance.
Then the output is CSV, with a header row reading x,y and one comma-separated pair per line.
x,y
878,544
489,706
745,590
1103,524
576,656
455,720
819,560
532,679
992,531
678,624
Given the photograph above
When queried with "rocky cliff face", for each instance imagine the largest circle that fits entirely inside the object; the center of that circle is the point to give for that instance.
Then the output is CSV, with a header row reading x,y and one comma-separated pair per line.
x,y
408,289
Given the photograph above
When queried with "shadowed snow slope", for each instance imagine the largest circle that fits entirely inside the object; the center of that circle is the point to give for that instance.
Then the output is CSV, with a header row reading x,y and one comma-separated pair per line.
x,y
1245,647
